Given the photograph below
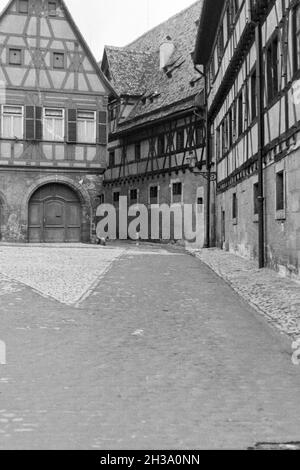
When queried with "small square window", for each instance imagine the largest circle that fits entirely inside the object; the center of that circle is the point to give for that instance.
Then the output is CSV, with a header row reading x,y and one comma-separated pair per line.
x,y
177,189
116,197
23,6
255,198
58,60
154,195
52,8
138,151
15,56
133,195
280,199
161,145
111,162
234,206
180,140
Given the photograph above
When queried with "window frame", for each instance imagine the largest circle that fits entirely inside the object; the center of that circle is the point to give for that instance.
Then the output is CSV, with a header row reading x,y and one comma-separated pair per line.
x,y
56,53
234,207
15,48
151,187
111,159
161,149
51,12
254,96
272,66
173,185
180,139
133,201
2,121
19,7
85,120
114,192
280,209
296,38
138,151
49,117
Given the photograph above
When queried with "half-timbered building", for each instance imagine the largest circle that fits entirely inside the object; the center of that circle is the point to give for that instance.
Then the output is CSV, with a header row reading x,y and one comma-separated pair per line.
x,y
251,53
155,126
53,117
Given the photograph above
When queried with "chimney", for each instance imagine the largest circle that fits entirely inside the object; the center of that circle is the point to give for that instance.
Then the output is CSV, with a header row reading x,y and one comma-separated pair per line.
x,y
167,49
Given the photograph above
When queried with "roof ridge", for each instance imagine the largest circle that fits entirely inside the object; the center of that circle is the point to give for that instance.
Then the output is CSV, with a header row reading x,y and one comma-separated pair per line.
x,y
163,22
127,50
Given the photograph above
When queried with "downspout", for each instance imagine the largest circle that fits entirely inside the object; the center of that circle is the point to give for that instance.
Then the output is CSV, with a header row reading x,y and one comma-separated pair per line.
x,y
208,167
261,143
208,161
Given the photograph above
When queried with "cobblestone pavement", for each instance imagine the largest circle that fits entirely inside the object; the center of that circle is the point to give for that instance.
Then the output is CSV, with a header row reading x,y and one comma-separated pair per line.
x,y
277,298
66,273
161,354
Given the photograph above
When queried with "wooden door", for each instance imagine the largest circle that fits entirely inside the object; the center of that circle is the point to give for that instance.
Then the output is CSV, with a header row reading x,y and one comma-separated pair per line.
x,y
54,215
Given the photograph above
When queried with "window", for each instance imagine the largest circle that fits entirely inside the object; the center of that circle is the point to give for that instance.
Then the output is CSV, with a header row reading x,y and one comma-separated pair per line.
x,y
272,70
253,95
296,37
240,116
234,206
133,194
15,56
23,6
230,130
280,200
137,151
153,190
255,198
218,144
199,135
116,197
101,199
220,44
12,122
211,71
58,60
54,124
232,11
180,140
111,159
86,126
52,8
177,192
161,145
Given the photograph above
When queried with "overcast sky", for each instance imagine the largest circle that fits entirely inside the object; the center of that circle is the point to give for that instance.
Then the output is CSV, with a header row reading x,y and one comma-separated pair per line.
x,y
118,22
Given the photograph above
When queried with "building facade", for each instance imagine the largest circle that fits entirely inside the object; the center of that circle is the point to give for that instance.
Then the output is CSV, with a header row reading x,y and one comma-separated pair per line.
x,y
251,53
53,125
155,125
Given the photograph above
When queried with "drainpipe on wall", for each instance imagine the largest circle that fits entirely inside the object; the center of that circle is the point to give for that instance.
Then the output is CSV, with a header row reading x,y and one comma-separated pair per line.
x,y
261,143
208,160
208,167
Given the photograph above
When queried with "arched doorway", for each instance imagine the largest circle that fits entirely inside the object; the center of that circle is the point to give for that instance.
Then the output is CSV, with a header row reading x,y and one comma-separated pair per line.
x,y
54,215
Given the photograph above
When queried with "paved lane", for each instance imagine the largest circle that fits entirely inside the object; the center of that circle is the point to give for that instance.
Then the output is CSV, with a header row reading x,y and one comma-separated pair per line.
x,y
162,354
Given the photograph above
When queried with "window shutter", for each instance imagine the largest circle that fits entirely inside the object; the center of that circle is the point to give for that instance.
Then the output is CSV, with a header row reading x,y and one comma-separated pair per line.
x,y
38,123
29,123
102,124
72,125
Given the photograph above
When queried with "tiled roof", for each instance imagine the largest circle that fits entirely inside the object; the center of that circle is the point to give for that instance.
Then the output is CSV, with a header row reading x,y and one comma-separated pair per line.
x,y
135,68
128,70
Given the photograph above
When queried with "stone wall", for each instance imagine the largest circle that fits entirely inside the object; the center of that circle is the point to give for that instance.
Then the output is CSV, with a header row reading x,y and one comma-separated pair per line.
x,y
282,230
17,187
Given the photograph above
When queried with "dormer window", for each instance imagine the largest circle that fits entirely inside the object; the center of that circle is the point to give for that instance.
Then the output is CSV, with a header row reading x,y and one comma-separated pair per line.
x,y
24,6
15,56
52,8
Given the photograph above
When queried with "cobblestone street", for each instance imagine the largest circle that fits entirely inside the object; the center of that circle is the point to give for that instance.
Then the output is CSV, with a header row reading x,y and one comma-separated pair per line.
x,y
131,347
